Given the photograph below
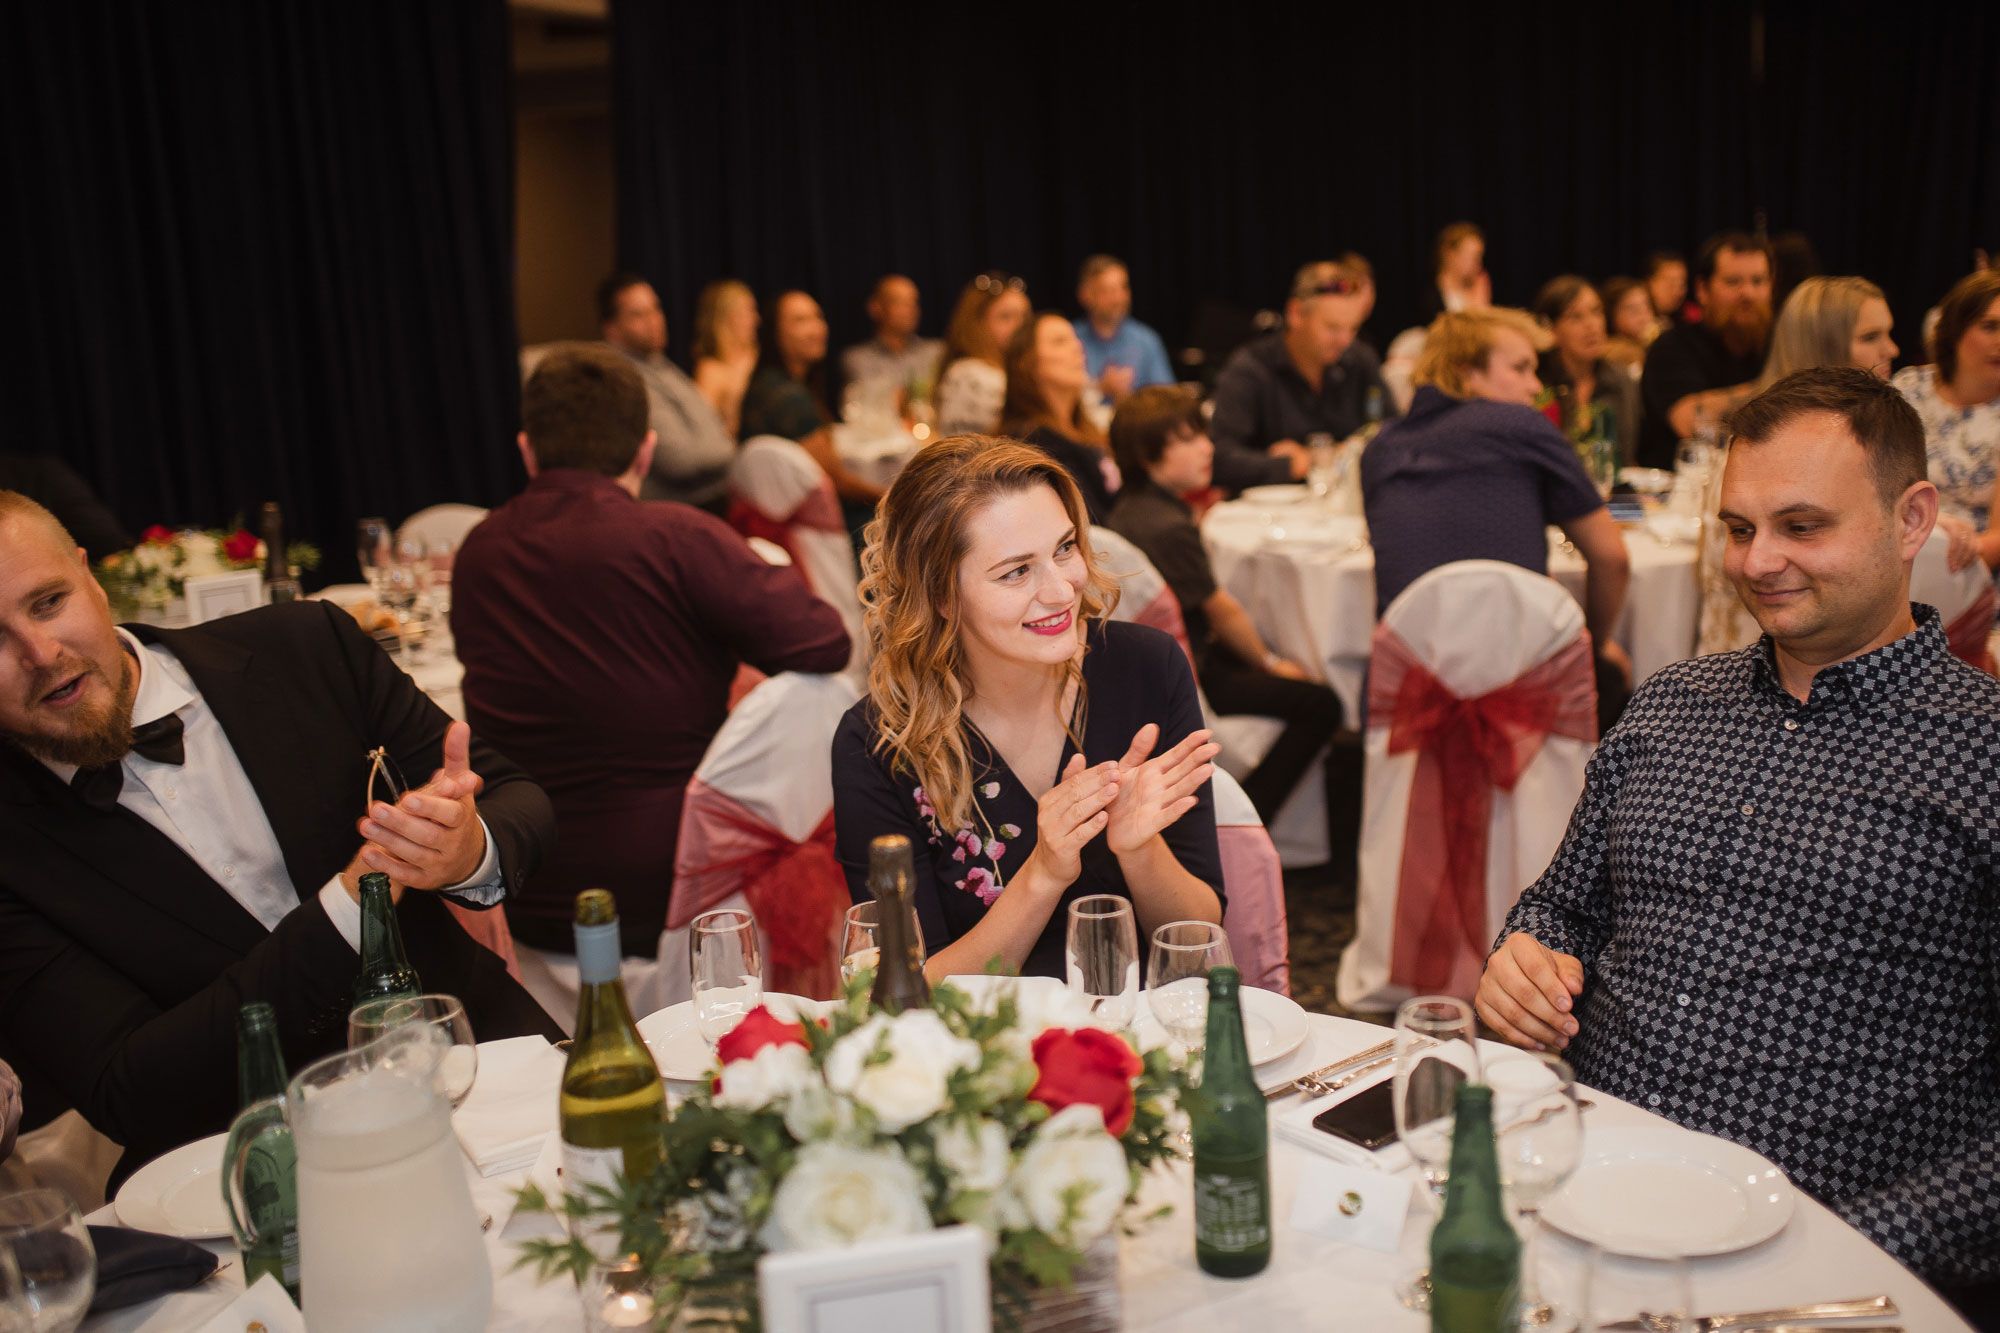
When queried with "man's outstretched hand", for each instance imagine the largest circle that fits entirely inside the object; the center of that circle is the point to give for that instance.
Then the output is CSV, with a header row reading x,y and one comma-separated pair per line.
x,y
432,838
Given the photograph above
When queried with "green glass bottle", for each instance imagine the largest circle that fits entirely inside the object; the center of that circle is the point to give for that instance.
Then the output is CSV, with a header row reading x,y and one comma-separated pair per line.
x,y
899,968
612,1099
264,1163
1232,1144
386,973
1475,1255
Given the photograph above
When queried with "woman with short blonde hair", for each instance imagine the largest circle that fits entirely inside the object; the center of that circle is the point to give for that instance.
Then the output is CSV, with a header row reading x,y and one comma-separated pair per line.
x,y
725,346
1458,344
1031,750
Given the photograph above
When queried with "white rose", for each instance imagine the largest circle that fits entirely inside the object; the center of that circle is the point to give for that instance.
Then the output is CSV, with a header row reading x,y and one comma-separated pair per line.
x,y
772,1074
976,1158
1070,1149
909,1085
815,1112
840,1195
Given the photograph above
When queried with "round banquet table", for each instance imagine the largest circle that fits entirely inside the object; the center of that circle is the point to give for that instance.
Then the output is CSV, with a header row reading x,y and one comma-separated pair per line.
x,y
1311,1283
1307,578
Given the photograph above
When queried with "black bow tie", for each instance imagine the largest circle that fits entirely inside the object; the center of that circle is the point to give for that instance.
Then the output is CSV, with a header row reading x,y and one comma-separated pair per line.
x,y
158,740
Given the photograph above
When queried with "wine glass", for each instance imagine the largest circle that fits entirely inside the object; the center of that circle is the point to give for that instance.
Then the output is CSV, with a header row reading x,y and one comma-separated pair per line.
x,y
1539,1140
1177,979
1436,1050
1650,1290
52,1251
458,1066
1103,957
725,969
443,550
15,1317
860,949
374,542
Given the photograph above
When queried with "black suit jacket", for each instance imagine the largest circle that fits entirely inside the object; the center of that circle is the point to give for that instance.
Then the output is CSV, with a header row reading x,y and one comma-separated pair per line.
x,y
123,964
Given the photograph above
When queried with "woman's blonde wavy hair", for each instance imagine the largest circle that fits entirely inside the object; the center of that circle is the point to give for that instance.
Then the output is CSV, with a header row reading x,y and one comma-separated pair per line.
x,y
909,596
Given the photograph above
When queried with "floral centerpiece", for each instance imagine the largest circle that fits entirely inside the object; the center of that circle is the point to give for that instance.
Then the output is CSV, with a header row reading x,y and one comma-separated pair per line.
x,y
1006,1113
153,575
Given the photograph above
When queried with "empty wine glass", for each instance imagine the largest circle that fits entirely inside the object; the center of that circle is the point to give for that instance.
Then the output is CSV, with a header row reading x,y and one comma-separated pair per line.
x,y
1177,979
725,969
459,1065
374,543
1103,957
1436,1050
1539,1140
1645,1291
52,1250
15,1317
860,948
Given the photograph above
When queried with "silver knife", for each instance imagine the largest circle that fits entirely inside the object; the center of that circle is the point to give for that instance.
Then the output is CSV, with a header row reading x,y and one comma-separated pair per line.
x,y
1291,1086
1767,1319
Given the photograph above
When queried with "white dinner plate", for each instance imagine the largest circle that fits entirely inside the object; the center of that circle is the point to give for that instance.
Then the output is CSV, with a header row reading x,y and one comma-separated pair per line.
x,y
1274,495
676,1044
1661,1189
1273,1025
179,1193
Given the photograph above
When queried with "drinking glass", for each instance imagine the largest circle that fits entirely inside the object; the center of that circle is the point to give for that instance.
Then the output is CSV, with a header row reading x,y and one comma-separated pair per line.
x,y
459,1065
1103,957
1177,978
1436,1050
618,1294
443,550
373,543
52,1251
860,950
1323,462
726,970
1649,1289
1539,1137
15,1316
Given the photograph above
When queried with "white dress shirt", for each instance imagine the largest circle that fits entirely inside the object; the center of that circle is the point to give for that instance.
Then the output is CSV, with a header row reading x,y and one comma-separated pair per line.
x,y
208,807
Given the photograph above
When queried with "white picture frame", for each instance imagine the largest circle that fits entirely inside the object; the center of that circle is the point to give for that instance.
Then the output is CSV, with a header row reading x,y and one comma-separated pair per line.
x,y
213,596
936,1282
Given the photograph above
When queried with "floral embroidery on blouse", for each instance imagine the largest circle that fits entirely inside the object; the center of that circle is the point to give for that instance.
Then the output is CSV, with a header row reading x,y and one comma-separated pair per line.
x,y
971,847
1963,444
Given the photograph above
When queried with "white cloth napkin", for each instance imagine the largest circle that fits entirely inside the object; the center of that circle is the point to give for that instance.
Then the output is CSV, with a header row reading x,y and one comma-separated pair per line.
x,y
513,1104
264,1306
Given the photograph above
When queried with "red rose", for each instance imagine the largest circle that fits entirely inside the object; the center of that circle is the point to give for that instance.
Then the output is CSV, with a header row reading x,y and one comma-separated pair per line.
x,y
1087,1065
759,1028
158,535
240,546
1553,410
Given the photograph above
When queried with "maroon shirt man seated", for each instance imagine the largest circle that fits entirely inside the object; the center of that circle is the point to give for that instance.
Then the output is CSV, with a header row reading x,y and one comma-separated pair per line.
x,y
600,635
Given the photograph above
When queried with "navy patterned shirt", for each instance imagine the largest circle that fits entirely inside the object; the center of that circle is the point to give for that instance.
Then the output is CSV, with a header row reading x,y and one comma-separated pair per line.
x,y
1787,918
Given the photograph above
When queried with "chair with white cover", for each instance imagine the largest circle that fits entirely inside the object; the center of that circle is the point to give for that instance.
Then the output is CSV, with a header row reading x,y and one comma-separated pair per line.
x,y
1253,889
1965,600
441,523
1482,714
757,833
778,492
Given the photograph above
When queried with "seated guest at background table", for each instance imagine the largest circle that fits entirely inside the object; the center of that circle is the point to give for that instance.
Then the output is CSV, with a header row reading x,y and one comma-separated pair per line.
x,y
177,808
1046,381
787,397
972,375
1696,372
1474,472
1633,326
725,347
1309,378
1162,446
691,463
600,637
1958,400
895,359
1772,917
1032,750
1459,280
1122,353
50,483
1578,365
1667,287
1363,273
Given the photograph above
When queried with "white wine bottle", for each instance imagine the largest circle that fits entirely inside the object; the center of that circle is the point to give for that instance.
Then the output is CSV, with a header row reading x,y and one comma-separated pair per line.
x,y
613,1102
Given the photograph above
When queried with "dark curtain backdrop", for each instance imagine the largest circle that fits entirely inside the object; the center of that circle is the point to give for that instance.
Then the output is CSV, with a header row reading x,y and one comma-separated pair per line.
x,y
1216,147
263,251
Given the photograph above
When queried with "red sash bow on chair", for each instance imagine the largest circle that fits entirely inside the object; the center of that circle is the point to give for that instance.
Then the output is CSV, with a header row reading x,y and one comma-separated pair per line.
x,y
1971,632
796,889
1465,749
820,510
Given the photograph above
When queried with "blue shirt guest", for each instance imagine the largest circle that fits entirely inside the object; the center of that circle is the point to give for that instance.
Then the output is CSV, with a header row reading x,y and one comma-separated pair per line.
x,y
1773,916
1474,472
1032,751
1122,353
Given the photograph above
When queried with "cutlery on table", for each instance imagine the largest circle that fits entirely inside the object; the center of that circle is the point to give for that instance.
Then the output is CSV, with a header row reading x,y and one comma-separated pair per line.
x,y
1771,1321
1304,1081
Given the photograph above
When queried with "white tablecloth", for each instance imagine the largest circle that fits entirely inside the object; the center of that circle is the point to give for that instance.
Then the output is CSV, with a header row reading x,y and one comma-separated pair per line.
x,y
1308,582
1311,1283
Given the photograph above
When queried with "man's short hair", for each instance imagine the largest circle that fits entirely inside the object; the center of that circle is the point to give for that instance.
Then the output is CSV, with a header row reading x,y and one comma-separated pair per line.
x,y
1960,310
1742,242
609,290
1461,341
585,407
1357,266
1095,265
13,504
1659,259
1148,421
1874,411
1326,277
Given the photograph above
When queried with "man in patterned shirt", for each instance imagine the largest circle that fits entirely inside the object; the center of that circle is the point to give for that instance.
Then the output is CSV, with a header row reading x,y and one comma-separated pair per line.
x,y
1774,915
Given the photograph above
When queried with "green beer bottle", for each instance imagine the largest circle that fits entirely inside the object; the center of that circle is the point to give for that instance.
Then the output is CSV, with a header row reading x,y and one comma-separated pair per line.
x,y
267,1228
612,1097
1475,1255
386,973
1232,1145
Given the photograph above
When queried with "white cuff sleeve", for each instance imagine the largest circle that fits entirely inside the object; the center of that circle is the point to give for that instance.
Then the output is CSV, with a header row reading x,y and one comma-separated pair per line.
x,y
343,911
483,885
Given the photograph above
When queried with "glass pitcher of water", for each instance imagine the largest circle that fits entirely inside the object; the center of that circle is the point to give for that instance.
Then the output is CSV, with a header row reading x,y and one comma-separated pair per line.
x,y
389,1241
